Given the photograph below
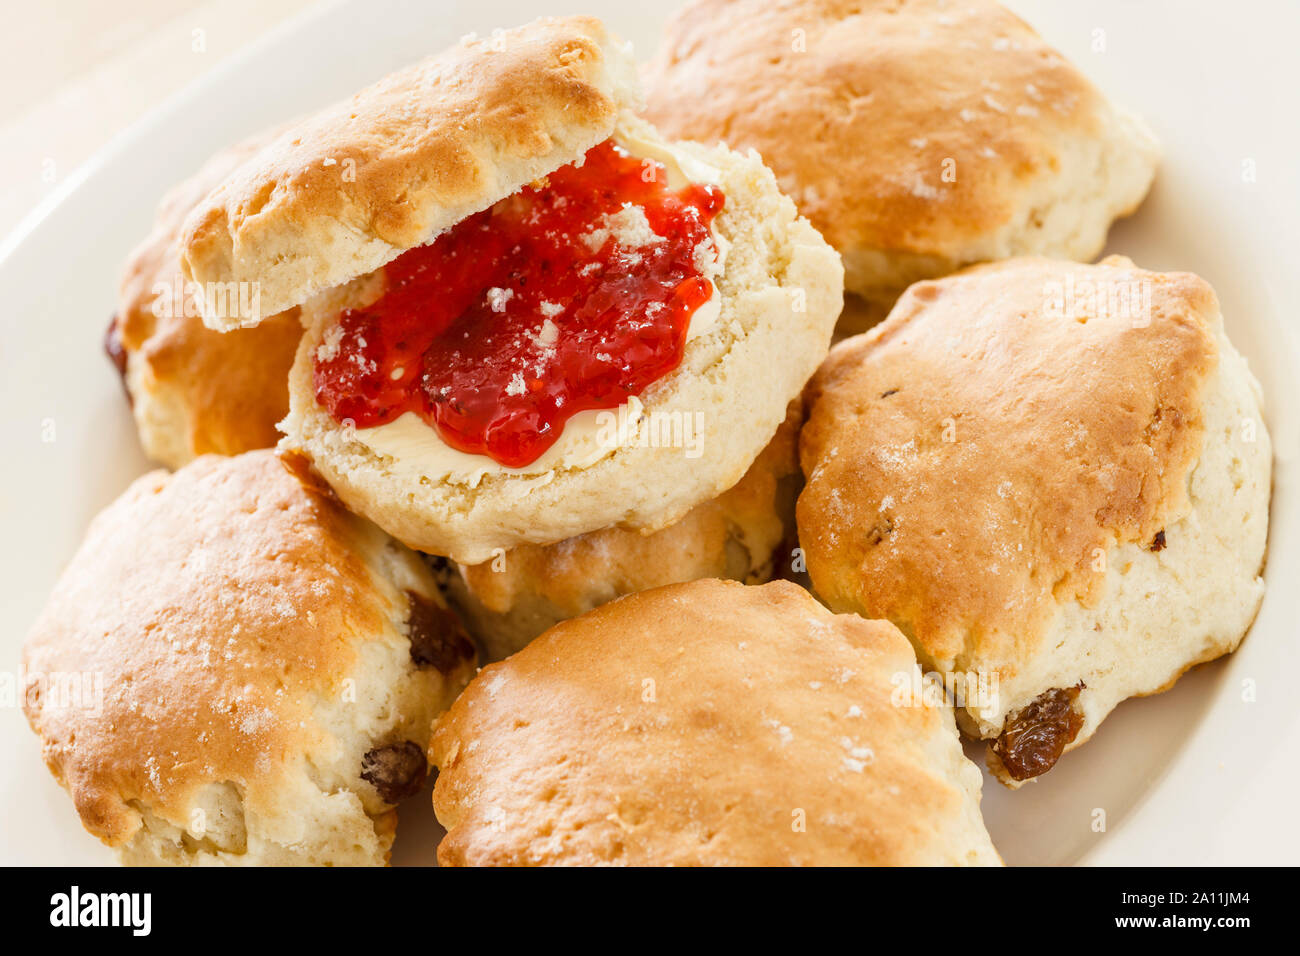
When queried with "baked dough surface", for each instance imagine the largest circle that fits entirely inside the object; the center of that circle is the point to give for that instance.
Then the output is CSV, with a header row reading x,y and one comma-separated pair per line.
x,y
706,723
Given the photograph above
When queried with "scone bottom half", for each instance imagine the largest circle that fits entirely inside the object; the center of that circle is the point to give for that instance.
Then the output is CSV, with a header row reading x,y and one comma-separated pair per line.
x,y
745,534
234,670
1055,479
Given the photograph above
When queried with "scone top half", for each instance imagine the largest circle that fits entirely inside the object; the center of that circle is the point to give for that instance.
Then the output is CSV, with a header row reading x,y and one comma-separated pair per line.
x,y
527,315
235,670
1054,478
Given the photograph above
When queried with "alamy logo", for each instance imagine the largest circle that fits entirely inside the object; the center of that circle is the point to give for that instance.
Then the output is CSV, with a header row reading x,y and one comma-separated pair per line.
x,y
633,427
241,301
75,908
1113,297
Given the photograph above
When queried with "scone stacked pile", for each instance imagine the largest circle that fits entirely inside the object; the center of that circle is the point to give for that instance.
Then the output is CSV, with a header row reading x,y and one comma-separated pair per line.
x,y
668,286
335,217
544,366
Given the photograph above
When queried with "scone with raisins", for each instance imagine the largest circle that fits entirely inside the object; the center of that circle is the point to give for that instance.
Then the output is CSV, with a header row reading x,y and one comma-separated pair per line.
x,y
194,391
1054,478
235,670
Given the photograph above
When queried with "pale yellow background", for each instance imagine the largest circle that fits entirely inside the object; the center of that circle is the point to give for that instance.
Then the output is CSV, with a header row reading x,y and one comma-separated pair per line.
x,y
73,73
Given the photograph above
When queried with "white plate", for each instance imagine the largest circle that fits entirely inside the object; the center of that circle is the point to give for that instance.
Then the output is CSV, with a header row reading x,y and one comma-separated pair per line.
x,y
1199,774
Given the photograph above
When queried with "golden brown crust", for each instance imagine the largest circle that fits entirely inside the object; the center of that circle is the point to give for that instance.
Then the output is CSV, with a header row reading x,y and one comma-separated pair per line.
x,y
198,391
740,535
348,189
704,723
219,611
971,459
916,135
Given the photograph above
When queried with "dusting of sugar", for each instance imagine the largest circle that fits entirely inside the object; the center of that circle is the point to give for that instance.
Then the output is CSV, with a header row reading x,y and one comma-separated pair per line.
x,y
328,350
705,257
896,456
549,334
924,190
628,227
255,721
783,733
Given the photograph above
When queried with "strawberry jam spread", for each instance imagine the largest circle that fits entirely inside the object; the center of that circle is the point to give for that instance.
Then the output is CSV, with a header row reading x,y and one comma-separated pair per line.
x,y
573,294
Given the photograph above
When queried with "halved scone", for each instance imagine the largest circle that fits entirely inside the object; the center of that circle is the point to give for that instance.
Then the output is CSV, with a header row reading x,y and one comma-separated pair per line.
x,y
528,316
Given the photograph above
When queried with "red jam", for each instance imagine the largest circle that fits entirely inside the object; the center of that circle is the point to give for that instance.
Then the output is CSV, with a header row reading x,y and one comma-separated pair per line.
x,y
521,316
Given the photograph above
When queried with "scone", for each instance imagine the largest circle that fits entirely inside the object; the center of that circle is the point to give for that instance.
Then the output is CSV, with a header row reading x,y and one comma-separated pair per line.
x,y
707,723
745,534
1054,478
529,316
235,670
918,136
192,390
